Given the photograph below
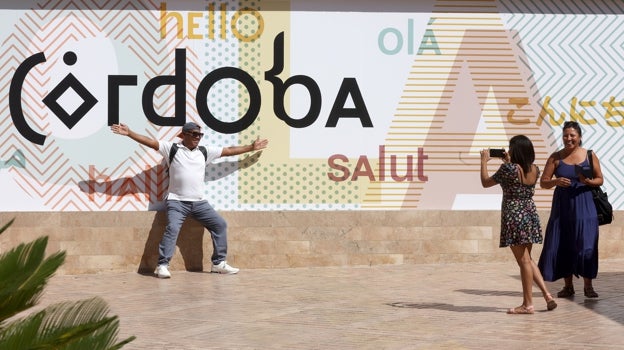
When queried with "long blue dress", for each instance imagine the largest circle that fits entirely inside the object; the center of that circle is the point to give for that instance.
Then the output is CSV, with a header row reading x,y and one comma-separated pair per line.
x,y
571,239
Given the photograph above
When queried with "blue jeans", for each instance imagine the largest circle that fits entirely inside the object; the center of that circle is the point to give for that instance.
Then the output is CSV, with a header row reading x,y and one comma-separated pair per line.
x,y
202,211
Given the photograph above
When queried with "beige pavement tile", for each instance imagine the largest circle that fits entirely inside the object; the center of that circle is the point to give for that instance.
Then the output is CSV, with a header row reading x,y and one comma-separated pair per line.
x,y
434,306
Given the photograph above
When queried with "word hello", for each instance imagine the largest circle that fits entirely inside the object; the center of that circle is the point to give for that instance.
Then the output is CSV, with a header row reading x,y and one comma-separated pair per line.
x,y
199,27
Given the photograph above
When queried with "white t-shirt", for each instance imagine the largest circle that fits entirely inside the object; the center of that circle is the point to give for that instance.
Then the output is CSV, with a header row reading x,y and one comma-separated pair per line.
x,y
187,170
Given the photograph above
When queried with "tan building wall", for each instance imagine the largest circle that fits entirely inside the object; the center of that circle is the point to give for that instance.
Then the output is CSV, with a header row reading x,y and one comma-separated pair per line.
x,y
104,242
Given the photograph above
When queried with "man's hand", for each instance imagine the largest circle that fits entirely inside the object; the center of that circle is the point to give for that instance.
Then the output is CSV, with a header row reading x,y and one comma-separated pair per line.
x,y
121,129
260,144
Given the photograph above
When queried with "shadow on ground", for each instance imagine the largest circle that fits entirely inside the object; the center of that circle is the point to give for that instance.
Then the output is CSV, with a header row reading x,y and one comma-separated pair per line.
x,y
609,285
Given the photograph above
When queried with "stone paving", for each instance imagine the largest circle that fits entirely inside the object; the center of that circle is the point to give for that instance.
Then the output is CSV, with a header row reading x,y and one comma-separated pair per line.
x,y
442,306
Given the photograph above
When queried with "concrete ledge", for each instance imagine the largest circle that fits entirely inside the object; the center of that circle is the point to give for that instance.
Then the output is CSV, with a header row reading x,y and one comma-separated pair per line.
x,y
102,242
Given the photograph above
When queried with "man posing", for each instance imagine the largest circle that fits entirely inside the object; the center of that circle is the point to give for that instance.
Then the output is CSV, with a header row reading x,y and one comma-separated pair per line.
x,y
186,191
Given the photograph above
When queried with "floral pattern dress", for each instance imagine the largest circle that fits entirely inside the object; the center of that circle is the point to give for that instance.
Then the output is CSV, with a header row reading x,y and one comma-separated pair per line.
x,y
520,223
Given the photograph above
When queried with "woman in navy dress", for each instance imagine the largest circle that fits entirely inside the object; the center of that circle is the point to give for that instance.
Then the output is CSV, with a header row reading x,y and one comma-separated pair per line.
x,y
520,223
571,240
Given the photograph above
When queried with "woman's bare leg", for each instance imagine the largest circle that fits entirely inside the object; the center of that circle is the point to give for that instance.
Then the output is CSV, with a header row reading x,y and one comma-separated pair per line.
x,y
523,258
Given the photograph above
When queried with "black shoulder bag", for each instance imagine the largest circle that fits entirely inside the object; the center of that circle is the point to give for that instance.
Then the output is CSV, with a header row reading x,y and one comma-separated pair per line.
x,y
601,200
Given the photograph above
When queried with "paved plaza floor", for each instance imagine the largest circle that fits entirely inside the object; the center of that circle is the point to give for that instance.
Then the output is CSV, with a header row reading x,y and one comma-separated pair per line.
x,y
441,306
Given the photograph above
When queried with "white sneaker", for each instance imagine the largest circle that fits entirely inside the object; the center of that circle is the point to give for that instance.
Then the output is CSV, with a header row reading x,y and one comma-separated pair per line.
x,y
224,268
163,272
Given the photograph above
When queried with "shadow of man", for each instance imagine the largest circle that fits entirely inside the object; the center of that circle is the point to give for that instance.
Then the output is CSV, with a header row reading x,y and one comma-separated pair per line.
x,y
190,244
190,240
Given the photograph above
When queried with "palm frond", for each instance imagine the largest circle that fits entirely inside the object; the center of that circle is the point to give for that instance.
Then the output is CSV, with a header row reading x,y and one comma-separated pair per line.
x,y
68,325
6,226
24,273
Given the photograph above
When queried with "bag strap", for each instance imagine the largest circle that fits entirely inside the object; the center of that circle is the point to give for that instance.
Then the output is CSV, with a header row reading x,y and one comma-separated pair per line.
x,y
591,161
204,151
174,150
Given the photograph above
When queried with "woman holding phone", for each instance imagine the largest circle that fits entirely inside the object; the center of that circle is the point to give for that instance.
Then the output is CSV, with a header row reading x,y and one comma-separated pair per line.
x,y
520,223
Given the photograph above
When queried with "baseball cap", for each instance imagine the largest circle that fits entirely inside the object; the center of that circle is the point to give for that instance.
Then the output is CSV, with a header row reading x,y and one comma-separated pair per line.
x,y
190,126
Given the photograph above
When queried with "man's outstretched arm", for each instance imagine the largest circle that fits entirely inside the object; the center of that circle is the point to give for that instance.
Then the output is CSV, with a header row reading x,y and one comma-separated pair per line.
x,y
236,150
123,129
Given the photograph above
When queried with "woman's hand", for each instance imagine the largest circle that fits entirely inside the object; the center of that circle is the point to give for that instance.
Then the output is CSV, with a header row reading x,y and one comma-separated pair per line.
x,y
585,180
507,157
562,182
485,155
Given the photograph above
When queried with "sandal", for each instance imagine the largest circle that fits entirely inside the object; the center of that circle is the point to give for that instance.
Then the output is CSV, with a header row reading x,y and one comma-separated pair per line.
x,y
521,310
566,292
551,304
590,293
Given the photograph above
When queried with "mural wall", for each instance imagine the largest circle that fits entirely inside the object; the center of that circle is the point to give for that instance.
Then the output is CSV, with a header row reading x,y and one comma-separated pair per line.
x,y
367,104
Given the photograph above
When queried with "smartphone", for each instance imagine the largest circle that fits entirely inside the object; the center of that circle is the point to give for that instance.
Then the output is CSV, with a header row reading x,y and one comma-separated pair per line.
x,y
585,170
497,152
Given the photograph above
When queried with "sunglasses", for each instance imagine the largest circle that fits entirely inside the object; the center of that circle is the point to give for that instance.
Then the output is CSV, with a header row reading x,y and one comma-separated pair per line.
x,y
195,134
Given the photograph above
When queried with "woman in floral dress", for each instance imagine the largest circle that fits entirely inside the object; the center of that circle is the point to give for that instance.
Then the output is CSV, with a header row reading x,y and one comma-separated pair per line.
x,y
520,223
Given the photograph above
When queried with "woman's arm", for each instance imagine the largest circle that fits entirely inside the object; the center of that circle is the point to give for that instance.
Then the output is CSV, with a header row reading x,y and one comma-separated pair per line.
x,y
547,181
597,180
486,179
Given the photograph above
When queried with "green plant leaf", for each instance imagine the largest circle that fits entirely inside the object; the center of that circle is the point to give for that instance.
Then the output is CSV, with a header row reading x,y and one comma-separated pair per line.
x,y
6,226
24,273
68,325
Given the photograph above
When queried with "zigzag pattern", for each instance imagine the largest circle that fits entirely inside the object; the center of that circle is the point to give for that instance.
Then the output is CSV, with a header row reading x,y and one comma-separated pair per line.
x,y
48,29
478,63
566,56
578,57
557,54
